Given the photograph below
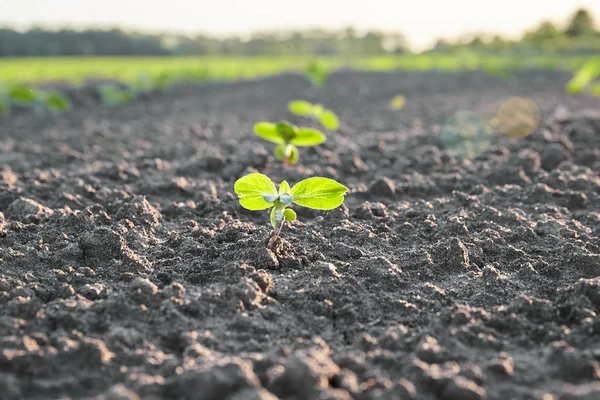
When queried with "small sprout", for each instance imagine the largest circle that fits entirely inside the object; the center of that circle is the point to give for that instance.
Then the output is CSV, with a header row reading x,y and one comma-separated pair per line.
x,y
317,73
24,95
112,95
584,77
326,117
288,137
398,102
258,192
56,102
143,83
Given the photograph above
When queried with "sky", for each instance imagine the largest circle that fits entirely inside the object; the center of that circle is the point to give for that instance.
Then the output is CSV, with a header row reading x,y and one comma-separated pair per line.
x,y
421,21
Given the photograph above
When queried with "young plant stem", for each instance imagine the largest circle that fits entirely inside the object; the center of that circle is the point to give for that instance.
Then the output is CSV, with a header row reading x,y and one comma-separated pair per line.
x,y
275,236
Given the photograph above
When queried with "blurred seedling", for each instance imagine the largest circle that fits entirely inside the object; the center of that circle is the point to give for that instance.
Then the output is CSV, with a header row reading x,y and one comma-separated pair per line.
x,y
326,117
112,95
258,192
56,102
317,73
288,137
25,96
398,102
4,101
584,80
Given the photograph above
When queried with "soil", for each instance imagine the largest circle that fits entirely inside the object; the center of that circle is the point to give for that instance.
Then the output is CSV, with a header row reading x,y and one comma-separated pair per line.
x,y
129,270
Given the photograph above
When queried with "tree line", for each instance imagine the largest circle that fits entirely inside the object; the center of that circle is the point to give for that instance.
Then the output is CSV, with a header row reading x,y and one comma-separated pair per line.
x,y
580,32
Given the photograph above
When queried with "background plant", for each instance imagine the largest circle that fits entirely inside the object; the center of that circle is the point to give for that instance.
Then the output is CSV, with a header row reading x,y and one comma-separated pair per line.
x,y
257,192
584,79
326,117
287,137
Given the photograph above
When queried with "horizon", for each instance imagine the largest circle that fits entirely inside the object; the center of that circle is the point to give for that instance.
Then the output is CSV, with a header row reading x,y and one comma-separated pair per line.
x,y
422,23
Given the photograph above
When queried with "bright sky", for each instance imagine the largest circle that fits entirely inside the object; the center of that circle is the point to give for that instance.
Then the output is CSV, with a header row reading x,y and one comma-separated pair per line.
x,y
422,21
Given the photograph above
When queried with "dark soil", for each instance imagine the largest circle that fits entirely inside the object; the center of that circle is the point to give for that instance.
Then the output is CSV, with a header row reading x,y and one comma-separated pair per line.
x,y
129,270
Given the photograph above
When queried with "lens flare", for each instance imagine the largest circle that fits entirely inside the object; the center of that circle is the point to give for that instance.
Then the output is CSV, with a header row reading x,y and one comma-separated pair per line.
x,y
517,117
466,134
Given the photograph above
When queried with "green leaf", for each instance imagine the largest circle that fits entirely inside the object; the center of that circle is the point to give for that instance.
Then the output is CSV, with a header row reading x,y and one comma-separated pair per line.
x,y
398,102
319,193
595,89
294,154
268,131
308,137
251,188
318,110
280,151
284,187
329,120
301,107
286,131
583,77
289,214
113,95
21,94
57,102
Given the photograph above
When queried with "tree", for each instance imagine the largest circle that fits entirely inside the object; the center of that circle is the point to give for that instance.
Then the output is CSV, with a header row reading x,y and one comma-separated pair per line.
x,y
545,32
582,24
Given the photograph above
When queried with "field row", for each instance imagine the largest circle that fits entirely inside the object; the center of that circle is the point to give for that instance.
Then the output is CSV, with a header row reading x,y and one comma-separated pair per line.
x,y
157,69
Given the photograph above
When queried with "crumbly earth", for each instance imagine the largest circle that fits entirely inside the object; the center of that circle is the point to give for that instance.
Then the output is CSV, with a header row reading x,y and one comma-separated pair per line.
x,y
129,270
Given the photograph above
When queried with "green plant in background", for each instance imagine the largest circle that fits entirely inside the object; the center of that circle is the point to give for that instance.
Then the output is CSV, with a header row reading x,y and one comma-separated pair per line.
x,y
317,73
398,102
24,95
113,95
56,102
143,83
4,102
584,79
258,192
288,137
326,117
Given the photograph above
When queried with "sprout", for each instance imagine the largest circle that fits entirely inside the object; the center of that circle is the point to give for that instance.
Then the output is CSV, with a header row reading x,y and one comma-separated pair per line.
x,y
288,137
326,117
584,77
56,102
317,73
398,102
258,192
112,95
24,95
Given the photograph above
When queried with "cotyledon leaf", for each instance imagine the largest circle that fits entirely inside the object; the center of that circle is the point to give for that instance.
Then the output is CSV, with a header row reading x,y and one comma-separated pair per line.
x,y
268,131
319,193
251,188
308,137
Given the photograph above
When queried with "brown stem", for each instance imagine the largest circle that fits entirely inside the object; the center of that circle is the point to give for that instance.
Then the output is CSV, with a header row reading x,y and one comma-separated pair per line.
x,y
275,237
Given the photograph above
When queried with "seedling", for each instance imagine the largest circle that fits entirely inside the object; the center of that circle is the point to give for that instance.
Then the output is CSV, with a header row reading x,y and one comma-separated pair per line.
x,y
258,192
56,102
317,73
326,117
288,137
25,96
112,95
398,102
584,78
4,102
